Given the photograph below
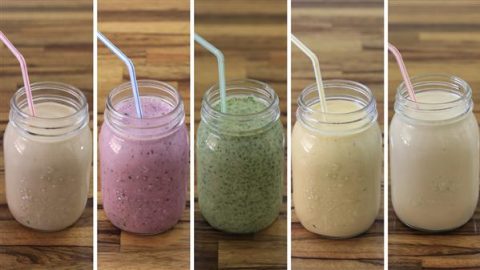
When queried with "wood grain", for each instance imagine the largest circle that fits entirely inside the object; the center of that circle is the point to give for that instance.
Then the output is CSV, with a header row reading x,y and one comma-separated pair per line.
x,y
156,36
55,38
347,36
435,37
253,37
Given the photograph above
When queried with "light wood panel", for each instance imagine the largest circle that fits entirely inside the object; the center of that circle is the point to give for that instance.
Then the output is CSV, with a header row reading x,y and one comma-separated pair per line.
x,y
347,37
55,38
156,36
253,37
435,37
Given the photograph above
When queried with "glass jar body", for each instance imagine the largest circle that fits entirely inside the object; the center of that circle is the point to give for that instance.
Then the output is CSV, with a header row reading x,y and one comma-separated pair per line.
x,y
144,182
337,180
337,161
434,154
144,162
240,178
47,171
240,160
434,172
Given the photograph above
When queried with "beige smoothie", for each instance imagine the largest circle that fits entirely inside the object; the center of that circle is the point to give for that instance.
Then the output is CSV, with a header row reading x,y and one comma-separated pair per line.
x,y
434,165
47,177
337,174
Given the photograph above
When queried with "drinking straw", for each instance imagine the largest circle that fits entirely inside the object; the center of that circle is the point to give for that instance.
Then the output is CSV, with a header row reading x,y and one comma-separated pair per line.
x,y
131,70
23,66
316,69
221,69
403,71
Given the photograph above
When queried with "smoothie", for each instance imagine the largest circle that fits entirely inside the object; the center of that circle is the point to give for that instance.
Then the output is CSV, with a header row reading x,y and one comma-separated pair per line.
x,y
337,174
240,168
144,179
435,165
48,176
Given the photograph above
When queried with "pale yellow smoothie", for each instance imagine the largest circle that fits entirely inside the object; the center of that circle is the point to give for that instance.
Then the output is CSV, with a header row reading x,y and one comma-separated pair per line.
x,y
337,174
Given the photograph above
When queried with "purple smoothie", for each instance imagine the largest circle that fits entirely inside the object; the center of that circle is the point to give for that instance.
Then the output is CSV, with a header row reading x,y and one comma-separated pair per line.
x,y
144,178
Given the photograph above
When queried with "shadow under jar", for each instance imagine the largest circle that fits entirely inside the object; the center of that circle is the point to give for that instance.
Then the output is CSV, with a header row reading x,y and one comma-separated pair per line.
x,y
240,158
337,160
144,162
48,157
434,154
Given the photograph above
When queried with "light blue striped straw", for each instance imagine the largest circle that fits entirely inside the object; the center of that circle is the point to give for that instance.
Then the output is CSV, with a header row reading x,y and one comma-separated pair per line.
x,y
131,71
221,69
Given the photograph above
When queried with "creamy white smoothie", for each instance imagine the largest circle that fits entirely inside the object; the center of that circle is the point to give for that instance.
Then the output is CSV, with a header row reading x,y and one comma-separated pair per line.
x,y
337,174
434,164
47,176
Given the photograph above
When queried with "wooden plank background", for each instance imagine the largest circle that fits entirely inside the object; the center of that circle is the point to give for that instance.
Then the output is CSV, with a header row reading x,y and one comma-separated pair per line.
x,y
435,37
253,36
55,38
347,36
155,35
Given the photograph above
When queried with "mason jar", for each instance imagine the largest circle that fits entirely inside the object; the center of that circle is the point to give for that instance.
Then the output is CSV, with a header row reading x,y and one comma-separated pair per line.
x,y
240,157
337,160
48,157
144,163
434,154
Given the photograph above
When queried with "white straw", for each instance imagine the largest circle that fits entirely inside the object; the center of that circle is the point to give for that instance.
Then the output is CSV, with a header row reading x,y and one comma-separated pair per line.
x,y
316,69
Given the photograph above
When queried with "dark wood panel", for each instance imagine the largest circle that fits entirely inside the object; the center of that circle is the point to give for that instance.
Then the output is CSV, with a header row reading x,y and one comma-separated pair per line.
x,y
347,37
435,37
55,38
156,36
253,37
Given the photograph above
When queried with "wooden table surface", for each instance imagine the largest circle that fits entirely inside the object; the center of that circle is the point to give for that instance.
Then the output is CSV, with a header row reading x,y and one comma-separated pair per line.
x,y
445,41
347,37
253,37
55,38
155,35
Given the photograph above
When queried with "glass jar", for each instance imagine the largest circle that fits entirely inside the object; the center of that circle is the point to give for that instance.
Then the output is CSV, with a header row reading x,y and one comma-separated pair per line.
x,y
434,154
48,156
337,160
240,157
144,163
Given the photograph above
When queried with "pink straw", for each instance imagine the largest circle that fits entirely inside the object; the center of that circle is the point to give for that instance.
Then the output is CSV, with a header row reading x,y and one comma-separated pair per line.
x,y
403,70
23,66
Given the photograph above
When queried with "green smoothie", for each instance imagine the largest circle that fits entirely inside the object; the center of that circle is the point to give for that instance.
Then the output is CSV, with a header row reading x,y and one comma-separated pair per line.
x,y
240,167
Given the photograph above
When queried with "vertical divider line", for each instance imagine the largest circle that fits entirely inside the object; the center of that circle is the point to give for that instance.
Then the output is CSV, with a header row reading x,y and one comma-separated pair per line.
x,y
289,140
385,135
95,129
192,135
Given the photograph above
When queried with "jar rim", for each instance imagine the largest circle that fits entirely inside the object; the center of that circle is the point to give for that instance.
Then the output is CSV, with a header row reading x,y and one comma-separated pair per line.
x,y
337,122
144,83
429,111
262,118
336,83
421,79
234,85
48,85
147,127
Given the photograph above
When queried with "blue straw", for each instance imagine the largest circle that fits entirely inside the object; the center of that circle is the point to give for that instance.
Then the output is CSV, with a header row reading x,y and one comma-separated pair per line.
x,y
221,69
131,70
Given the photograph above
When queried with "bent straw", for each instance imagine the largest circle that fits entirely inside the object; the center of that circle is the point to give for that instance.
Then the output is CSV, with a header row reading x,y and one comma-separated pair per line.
x,y
23,67
131,71
403,71
316,69
221,69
